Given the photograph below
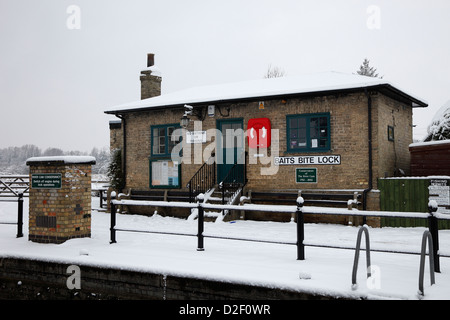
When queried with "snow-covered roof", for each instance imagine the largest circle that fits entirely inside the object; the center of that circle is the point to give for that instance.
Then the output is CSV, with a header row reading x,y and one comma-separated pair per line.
x,y
429,143
265,88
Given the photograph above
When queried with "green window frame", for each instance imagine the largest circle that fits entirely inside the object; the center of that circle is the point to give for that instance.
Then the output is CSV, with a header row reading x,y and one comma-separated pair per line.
x,y
308,132
165,170
161,139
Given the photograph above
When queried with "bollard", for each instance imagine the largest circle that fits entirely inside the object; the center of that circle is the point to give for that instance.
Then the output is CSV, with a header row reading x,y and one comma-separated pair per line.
x,y
20,216
200,219
113,223
300,229
434,230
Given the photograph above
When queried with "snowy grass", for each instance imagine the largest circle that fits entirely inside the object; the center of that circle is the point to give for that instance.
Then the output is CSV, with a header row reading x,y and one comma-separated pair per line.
x,y
325,270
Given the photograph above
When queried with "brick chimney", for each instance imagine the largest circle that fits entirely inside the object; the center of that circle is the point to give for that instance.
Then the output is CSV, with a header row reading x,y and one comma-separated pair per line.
x,y
150,79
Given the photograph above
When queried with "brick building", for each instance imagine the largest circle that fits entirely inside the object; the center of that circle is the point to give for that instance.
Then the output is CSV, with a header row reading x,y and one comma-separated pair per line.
x,y
323,132
430,158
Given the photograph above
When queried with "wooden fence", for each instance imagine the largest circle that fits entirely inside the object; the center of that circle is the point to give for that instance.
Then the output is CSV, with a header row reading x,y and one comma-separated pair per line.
x,y
413,195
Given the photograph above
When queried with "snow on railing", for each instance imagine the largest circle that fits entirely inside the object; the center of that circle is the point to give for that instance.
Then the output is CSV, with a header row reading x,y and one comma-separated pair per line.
x,y
299,210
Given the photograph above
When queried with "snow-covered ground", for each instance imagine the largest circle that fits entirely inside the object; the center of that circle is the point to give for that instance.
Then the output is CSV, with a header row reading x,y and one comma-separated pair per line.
x,y
325,270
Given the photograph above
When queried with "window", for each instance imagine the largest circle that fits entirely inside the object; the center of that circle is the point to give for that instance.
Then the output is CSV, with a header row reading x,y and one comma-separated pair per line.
x,y
164,139
308,132
165,170
391,133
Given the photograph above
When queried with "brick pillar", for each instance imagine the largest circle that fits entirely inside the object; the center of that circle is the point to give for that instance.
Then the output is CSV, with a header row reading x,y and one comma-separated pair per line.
x,y
60,198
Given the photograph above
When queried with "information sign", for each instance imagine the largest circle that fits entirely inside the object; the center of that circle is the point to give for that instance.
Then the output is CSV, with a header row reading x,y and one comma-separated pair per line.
x,y
46,181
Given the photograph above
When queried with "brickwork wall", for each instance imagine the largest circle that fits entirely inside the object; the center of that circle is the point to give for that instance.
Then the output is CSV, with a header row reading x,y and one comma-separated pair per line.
x,y
56,215
348,125
431,159
150,85
22,279
392,155
115,136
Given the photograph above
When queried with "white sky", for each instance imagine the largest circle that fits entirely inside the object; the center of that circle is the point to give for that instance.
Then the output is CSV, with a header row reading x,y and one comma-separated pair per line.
x,y
56,82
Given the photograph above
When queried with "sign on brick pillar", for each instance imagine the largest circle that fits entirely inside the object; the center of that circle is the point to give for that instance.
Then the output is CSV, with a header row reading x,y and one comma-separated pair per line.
x,y
60,198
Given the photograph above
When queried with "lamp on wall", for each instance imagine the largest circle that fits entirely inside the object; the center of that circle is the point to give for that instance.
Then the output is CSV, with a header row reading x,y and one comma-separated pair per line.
x,y
189,110
184,122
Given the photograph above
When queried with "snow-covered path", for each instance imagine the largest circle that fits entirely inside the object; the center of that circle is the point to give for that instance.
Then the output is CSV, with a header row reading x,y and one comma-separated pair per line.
x,y
325,270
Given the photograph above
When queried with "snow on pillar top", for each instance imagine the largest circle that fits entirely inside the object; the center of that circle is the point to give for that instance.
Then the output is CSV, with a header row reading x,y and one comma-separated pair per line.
x,y
56,160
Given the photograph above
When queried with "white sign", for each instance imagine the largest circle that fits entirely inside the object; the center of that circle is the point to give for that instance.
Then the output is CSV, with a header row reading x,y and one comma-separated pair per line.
x,y
316,160
196,137
439,191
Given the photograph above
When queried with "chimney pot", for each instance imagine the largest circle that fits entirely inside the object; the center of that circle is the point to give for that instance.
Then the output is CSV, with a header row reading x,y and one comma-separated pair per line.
x,y
150,59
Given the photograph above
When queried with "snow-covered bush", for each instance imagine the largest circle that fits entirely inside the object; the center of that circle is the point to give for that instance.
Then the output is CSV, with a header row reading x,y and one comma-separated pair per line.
x,y
439,129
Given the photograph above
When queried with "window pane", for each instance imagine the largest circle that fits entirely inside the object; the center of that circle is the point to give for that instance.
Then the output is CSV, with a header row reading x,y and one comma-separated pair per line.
x,y
293,123
155,141
174,138
293,134
308,132
162,141
155,132
314,132
302,142
301,122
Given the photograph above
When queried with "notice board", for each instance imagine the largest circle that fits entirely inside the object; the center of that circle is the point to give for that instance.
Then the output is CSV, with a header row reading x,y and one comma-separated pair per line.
x,y
164,174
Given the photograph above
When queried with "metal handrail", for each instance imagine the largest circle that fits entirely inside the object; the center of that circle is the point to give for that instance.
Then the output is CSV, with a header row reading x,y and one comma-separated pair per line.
x,y
19,215
230,180
203,180
426,236
14,185
358,247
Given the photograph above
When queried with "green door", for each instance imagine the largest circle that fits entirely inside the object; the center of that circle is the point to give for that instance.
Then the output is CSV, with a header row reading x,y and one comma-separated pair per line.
x,y
230,148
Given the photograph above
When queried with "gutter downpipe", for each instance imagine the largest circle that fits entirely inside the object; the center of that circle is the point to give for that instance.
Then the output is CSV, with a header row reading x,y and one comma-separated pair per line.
x,y
370,187
124,146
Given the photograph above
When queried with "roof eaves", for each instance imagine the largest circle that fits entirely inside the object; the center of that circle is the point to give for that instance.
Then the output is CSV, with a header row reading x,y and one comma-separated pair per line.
x,y
415,102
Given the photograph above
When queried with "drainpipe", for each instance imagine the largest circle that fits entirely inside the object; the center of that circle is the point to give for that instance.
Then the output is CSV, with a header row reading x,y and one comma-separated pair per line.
x,y
124,146
369,124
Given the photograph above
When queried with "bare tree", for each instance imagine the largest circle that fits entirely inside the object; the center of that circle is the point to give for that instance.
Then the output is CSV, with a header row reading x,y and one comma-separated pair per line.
x,y
274,72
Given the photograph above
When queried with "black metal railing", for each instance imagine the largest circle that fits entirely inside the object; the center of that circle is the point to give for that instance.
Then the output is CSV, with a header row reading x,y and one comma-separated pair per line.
x,y
203,180
235,179
19,214
13,185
